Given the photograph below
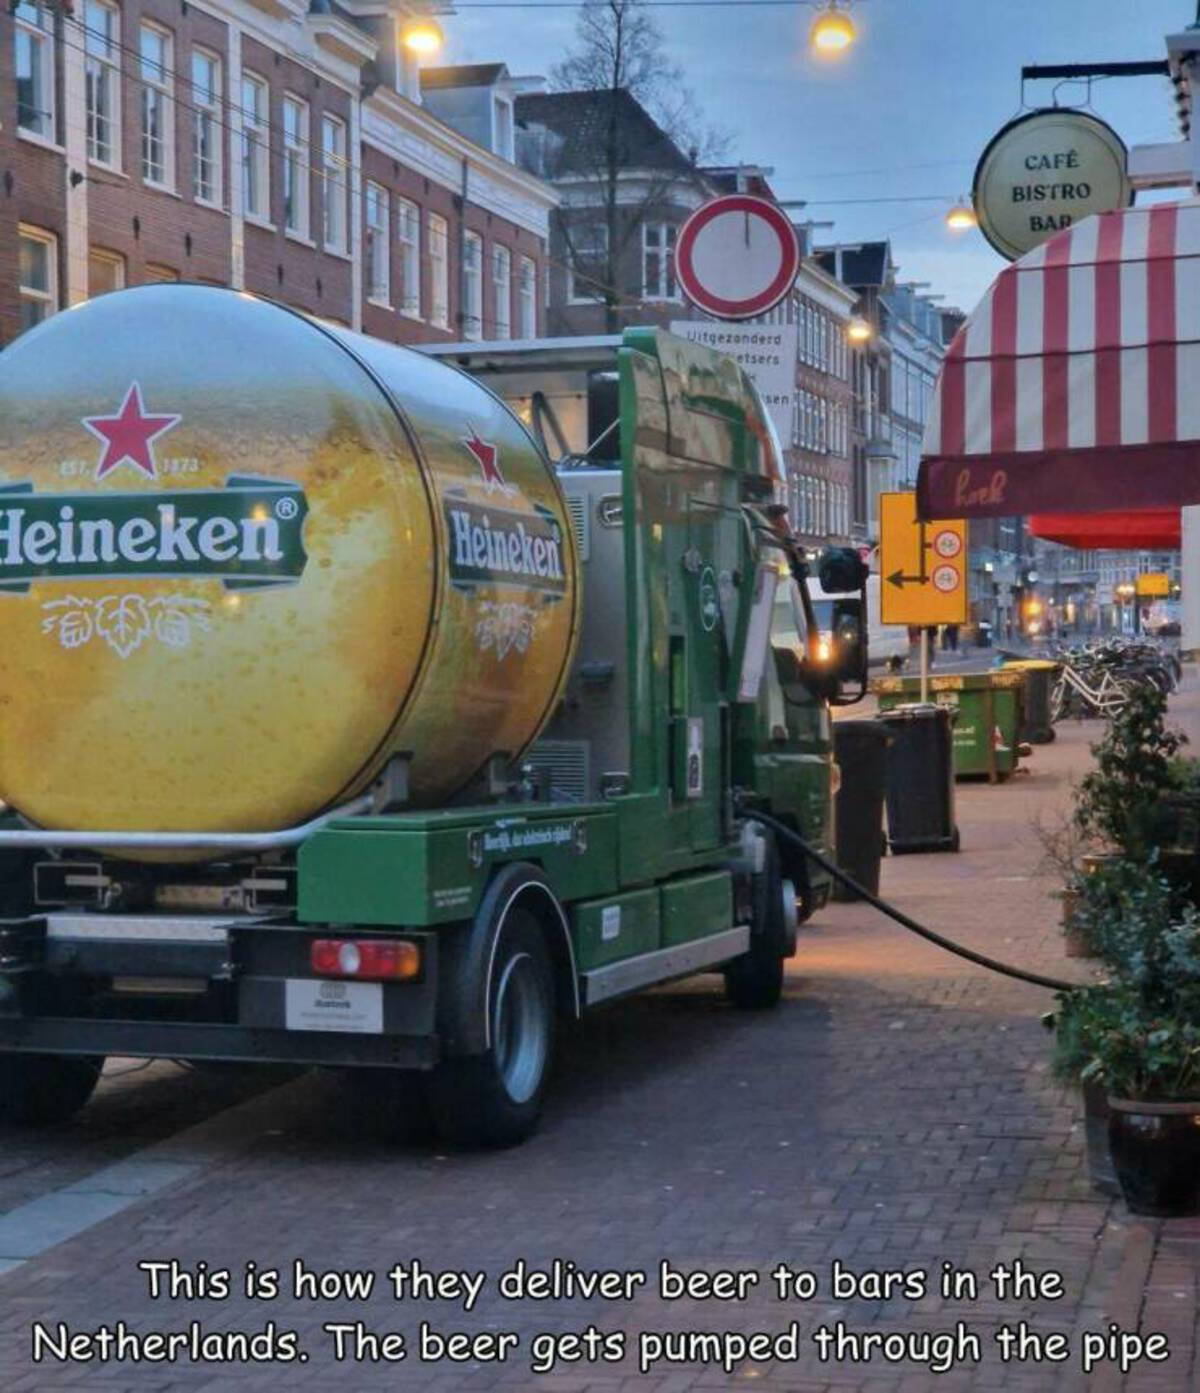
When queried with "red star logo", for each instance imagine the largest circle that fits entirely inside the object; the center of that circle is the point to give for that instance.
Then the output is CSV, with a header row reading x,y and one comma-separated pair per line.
x,y
486,455
127,437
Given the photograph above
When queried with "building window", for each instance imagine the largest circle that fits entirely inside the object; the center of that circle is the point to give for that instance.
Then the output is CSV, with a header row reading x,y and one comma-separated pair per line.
x,y
333,182
527,300
206,127
439,272
103,83
589,263
153,275
295,166
408,235
106,271
658,262
472,309
34,54
158,122
256,148
38,273
379,286
502,290
502,128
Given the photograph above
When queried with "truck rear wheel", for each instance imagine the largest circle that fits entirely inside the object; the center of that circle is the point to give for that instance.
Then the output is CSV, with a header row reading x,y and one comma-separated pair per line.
x,y
754,982
46,1088
494,1099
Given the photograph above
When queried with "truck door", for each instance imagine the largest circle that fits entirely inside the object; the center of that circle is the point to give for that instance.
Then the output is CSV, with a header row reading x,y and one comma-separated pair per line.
x,y
709,580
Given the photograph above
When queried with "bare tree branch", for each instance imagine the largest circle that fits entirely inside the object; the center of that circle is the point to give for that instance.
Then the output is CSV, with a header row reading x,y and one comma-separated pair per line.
x,y
619,53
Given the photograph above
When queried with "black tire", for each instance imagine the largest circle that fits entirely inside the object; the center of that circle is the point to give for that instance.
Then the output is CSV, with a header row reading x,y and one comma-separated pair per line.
x,y
494,1099
754,982
38,1089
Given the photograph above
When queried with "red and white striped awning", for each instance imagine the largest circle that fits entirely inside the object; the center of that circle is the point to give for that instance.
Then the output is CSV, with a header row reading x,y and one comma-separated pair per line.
x,y
1075,385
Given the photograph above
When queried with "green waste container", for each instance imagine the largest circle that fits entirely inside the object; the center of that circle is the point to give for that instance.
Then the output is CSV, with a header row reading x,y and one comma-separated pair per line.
x,y
990,712
1040,675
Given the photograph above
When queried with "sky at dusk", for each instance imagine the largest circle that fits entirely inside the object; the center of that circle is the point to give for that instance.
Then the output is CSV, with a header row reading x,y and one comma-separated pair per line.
x,y
906,112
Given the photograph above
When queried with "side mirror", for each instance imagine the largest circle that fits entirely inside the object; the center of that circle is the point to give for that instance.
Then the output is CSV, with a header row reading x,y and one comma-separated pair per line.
x,y
841,569
834,659
848,661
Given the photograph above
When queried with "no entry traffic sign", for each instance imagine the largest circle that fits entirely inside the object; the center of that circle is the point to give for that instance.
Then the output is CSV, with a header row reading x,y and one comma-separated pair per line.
x,y
737,257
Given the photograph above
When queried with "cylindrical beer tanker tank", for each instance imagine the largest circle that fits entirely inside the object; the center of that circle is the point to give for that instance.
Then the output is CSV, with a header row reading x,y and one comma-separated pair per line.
x,y
246,557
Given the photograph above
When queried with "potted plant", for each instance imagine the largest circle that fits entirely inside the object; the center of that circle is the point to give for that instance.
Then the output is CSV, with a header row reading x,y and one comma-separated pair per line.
x,y
1137,1036
1120,803
1067,853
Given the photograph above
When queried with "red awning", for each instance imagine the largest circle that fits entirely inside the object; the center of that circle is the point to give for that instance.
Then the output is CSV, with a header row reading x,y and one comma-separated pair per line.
x,y
1155,529
1075,384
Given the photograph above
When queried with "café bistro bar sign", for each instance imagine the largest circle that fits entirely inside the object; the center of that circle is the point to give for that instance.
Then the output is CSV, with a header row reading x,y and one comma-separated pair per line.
x,y
1045,171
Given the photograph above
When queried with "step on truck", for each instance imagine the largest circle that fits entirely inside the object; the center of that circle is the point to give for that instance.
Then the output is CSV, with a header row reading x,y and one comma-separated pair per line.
x,y
384,711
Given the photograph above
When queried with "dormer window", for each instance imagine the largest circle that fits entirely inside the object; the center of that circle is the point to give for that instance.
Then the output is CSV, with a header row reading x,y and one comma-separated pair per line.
x,y
502,127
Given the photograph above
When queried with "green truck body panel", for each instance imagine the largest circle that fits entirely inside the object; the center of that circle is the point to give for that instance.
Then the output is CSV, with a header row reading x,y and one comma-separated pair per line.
x,y
618,926
696,907
431,868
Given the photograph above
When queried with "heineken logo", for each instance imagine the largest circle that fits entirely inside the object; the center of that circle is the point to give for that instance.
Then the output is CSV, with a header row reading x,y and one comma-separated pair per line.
x,y
249,533
128,436
501,546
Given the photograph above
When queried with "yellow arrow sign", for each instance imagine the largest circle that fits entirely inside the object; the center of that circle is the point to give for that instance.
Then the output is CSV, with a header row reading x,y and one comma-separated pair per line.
x,y
922,565
1153,583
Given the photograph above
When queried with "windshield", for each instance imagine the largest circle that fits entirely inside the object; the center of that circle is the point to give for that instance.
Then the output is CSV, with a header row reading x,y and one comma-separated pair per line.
x,y
788,628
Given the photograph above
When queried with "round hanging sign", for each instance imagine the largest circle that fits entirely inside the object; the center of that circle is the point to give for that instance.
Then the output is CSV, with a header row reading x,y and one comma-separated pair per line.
x,y
1046,171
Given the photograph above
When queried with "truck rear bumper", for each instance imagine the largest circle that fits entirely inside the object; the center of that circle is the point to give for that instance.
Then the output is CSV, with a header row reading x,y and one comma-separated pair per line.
x,y
180,1040
196,988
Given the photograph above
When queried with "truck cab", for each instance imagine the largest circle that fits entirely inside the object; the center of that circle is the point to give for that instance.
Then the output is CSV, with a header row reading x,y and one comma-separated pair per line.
x,y
681,691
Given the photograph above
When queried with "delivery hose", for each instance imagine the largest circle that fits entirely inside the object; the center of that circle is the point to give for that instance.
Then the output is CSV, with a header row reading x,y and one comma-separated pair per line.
x,y
905,921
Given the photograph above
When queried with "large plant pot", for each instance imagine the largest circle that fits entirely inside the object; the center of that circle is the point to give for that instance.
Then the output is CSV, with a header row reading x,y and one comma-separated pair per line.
x,y
1096,1113
1075,945
1156,1155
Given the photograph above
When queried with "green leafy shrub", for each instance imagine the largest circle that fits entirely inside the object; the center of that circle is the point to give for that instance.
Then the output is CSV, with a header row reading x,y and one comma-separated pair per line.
x,y
1120,802
1138,1033
1106,1034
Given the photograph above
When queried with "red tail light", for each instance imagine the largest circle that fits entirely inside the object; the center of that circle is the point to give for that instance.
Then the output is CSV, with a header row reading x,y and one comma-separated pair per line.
x,y
370,959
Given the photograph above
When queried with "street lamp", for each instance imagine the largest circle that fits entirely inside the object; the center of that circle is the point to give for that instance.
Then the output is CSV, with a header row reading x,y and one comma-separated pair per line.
x,y
961,217
858,330
423,37
832,31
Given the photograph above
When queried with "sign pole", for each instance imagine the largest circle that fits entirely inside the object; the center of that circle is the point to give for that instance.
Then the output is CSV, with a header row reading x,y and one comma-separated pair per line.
x,y
924,663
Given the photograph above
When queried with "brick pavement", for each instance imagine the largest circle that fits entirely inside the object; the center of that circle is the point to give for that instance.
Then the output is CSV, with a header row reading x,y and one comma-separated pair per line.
x,y
895,1113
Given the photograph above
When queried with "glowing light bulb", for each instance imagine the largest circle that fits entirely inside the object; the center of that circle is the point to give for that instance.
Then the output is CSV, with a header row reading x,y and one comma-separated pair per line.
x,y
832,31
423,37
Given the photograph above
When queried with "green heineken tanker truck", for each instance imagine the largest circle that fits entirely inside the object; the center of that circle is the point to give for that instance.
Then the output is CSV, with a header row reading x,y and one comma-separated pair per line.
x,y
340,726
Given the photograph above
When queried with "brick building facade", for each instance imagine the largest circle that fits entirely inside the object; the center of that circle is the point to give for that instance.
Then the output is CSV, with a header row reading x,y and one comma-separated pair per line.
x,y
263,144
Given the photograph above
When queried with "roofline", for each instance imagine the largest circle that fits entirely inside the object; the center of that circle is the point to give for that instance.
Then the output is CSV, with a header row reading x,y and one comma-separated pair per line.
x,y
392,102
497,353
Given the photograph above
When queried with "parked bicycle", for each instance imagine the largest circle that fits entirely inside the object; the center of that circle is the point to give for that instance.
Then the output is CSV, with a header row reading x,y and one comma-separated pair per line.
x,y
1095,679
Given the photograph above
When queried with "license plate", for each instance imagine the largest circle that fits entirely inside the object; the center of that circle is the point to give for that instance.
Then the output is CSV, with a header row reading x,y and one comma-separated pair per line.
x,y
354,1007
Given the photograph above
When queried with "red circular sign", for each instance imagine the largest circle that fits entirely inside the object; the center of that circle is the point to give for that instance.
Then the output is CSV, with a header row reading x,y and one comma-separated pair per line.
x,y
737,257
